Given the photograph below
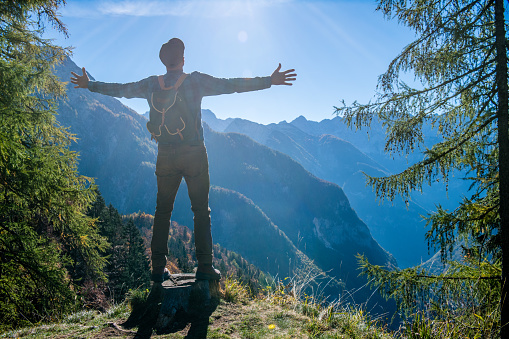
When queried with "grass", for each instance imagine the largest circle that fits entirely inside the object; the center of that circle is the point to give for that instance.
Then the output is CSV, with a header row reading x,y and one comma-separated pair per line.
x,y
236,292
324,319
282,311
83,324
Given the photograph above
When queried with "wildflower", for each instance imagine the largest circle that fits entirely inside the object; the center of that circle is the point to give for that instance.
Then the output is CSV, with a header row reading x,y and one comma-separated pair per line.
x,y
271,326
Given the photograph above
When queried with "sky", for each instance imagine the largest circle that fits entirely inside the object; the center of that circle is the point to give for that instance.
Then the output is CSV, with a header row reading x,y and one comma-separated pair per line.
x,y
338,49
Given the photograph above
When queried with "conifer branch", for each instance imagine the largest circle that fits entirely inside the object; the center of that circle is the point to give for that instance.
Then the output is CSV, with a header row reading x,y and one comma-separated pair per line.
x,y
458,278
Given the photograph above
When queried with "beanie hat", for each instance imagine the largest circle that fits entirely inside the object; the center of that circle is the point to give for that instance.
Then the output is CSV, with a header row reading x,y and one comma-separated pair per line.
x,y
172,52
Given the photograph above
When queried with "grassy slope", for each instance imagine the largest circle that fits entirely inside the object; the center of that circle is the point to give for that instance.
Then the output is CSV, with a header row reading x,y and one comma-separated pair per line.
x,y
270,316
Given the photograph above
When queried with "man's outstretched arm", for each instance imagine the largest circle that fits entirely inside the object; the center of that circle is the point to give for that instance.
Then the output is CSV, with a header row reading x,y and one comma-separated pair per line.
x,y
210,85
283,78
139,89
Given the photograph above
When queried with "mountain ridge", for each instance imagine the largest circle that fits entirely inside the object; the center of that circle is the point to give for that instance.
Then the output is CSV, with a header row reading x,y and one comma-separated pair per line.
x,y
397,227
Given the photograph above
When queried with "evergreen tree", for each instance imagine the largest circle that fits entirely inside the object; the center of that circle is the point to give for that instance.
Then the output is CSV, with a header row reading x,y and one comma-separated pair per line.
x,y
128,265
459,59
48,246
137,273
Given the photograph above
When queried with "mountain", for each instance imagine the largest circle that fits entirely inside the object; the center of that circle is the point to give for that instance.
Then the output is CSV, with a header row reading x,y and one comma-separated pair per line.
x,y
397,227
239,225
434,265
371,141
313,213
265,205
255,235
113,145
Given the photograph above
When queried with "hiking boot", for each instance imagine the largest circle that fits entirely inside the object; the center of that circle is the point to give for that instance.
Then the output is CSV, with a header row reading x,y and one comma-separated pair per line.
x,y
207,272
159,278
166,274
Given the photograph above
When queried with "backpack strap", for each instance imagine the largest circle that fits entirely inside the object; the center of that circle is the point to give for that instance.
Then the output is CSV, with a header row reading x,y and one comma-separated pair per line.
x,y
176,86
179,82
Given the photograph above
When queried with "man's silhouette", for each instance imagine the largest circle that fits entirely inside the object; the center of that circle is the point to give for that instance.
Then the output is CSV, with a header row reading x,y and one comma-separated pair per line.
x,y
185,157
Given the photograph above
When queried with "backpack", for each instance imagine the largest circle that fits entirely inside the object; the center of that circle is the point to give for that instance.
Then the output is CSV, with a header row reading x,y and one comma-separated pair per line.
x,y
171,122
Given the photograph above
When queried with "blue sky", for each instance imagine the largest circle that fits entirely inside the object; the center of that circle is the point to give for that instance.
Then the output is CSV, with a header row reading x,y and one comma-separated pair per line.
x,y
338,48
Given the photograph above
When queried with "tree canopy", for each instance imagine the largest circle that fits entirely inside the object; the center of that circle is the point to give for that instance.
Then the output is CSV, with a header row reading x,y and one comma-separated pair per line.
x,y
459,60
128,267
48,246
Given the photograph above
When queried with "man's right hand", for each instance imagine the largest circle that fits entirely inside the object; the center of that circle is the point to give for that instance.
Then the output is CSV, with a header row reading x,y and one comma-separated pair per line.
x,y
81,81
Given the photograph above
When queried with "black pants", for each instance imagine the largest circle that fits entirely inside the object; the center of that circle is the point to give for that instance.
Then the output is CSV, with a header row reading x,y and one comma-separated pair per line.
x,y
174,163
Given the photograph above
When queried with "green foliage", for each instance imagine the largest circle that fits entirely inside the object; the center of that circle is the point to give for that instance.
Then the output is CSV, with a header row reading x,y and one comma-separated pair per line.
x,y
460,71
128,266
454,60
79,317
48,246
82,324
451,303
235,291
336,319
422,326
137,297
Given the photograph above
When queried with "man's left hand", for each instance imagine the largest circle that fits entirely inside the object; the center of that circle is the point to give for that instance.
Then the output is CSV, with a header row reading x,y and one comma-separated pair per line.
x,y
283,78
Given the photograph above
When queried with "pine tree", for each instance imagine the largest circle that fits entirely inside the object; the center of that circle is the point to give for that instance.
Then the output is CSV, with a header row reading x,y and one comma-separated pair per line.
x,y
47,243
127,263
459,60
137,273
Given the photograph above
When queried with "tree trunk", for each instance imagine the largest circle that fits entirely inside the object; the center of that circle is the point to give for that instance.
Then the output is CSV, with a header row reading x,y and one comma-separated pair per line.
x,y
503,160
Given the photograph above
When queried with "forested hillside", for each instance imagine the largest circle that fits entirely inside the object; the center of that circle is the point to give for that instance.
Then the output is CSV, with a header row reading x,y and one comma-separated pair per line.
x,y
182,259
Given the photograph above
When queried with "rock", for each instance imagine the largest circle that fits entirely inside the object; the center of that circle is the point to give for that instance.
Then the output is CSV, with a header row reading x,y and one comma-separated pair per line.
x,y
184,294
173,304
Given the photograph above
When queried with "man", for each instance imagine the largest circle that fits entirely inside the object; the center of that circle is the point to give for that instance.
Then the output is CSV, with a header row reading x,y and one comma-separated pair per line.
x,y
182,157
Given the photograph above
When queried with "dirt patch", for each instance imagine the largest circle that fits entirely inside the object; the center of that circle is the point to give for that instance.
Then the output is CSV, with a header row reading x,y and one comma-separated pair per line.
x,y
114,331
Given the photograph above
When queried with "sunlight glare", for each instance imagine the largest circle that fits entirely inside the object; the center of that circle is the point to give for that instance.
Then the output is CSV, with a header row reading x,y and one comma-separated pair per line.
x,y
242,36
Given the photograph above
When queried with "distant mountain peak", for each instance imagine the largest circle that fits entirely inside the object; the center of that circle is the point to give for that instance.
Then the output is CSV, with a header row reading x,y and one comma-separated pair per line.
x,y
209,113
300,118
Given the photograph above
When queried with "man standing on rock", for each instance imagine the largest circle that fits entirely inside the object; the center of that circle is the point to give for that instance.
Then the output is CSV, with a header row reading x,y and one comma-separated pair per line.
x,y
175,123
